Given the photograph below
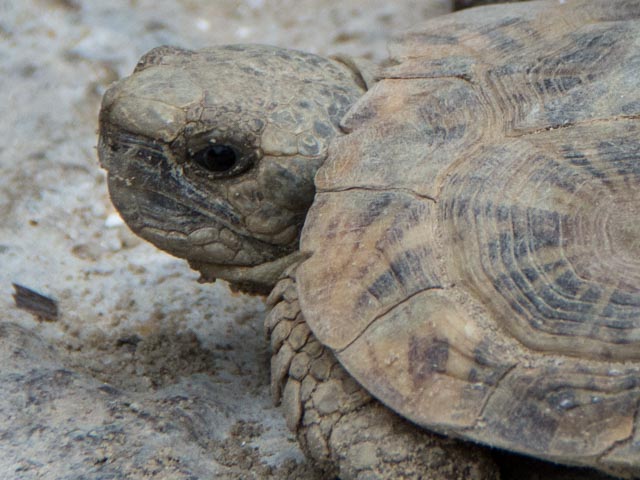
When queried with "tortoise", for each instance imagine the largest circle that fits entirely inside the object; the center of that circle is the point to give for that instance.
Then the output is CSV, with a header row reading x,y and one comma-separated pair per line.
x,y
457,228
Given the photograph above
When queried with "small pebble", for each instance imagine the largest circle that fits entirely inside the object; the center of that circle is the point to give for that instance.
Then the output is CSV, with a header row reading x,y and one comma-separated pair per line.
x,y
113,220
203,25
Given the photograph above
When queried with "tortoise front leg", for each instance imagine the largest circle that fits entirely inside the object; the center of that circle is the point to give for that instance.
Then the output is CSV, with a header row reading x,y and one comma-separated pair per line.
x,y
338,424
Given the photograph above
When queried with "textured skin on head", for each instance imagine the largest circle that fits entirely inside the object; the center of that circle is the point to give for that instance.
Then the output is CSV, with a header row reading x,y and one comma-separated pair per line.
x,y
481,217
277,109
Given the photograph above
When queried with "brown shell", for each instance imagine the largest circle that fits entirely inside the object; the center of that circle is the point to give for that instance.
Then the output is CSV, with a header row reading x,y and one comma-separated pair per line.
x,y
475,238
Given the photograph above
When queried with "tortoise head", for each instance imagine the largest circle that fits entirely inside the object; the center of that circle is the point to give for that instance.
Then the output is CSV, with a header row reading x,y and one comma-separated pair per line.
x,y
211,155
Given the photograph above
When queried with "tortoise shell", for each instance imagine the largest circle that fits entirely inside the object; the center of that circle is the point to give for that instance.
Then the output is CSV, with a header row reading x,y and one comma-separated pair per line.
x,y
482,217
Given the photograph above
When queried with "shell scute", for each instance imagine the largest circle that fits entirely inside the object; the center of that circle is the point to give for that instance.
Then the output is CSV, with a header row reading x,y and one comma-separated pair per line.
x,y
496,295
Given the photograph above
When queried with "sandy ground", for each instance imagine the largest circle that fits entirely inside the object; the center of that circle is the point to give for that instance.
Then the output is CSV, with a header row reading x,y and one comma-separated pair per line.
x,y
129,314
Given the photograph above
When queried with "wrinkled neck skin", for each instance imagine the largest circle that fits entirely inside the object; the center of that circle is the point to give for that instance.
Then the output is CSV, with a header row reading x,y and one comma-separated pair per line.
x,y
211,155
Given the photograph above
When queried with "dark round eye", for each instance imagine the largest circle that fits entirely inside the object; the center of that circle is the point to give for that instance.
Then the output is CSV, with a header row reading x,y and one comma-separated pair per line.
x,y
217,158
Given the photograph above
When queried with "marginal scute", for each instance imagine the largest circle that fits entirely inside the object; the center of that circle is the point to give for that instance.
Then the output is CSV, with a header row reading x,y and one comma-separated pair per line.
x,y
427,355
481,221
569,410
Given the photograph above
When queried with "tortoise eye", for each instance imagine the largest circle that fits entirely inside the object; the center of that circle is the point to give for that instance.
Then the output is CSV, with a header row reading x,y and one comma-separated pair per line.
x,y
222,160
216,158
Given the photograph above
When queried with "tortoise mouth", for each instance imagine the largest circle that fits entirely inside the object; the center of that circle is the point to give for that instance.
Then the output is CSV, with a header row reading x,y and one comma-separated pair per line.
x,y
256,279
204,234
210,245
